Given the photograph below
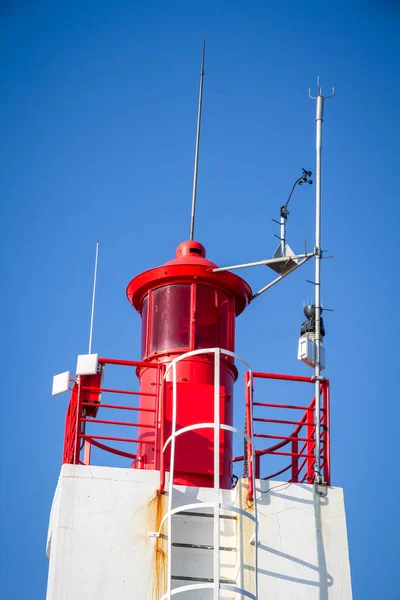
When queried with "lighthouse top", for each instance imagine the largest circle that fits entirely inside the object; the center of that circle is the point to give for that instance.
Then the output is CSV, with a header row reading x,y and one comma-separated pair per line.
x,y
190,265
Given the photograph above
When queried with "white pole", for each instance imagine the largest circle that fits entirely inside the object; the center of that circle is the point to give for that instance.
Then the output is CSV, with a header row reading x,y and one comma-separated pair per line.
x,y
318,256
93,298
217,419
319,119
171,481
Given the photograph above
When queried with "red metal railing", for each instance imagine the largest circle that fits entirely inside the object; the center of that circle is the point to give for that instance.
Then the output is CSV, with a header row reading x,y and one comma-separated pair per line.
x,y
78,443
299,444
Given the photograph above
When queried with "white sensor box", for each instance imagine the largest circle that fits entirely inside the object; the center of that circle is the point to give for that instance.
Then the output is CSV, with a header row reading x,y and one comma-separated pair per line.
x,y
307,351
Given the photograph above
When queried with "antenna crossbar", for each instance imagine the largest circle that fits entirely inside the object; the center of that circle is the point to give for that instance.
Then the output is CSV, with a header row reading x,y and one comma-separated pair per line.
x,y
265,262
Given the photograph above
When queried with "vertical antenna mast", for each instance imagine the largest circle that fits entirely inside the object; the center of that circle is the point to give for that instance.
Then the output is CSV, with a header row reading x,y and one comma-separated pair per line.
x,y
93,298
196,156
318,255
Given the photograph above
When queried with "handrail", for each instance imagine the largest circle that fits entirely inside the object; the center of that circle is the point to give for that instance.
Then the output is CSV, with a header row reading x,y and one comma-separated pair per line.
x,y
299,444
127,363
307,451
76,439
282,377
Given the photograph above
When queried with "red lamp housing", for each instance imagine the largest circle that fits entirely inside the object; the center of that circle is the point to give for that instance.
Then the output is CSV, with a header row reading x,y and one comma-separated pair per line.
x,y
185,306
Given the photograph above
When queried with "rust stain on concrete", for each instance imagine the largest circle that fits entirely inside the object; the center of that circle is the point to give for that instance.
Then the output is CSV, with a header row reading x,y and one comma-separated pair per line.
x,y
157,508
245,531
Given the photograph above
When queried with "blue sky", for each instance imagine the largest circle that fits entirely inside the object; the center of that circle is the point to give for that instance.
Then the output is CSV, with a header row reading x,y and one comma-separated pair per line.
x,y
98,108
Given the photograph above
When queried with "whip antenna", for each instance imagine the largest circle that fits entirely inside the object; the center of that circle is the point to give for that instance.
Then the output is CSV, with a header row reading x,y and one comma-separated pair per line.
x,y
93,298
196,156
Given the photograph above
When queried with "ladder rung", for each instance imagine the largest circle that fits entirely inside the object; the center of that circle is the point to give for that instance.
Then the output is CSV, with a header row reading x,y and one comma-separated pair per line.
x,y
202,547
201,579
190,513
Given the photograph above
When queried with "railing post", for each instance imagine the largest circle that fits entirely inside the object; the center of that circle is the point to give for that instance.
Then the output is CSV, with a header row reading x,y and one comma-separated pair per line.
x,y
67,432
310,445
327,436
87,452
77,445
295,460
161,436
249,431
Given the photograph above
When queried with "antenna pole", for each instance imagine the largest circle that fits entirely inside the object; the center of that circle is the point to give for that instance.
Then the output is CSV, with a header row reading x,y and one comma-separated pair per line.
x,y
196,156
93,297
318,256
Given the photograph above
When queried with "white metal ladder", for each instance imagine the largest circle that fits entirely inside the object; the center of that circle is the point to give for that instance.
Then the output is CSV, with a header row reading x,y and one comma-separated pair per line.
x,y
220,509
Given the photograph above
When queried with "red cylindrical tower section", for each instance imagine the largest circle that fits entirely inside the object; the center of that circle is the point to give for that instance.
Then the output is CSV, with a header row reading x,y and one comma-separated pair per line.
x,y
185,306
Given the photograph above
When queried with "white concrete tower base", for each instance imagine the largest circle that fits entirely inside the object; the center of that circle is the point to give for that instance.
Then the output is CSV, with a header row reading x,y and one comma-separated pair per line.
x,y
99,545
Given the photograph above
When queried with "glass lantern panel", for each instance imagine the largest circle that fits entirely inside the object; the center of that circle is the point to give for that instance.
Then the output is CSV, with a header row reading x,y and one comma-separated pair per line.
x,y
212,318
170,318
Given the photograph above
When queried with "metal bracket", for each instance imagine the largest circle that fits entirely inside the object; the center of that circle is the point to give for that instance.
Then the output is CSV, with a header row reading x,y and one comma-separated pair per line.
x,y
318,378
253,540
321,488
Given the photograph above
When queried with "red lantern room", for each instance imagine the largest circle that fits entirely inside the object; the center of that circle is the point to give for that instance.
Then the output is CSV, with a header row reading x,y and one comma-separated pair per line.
x,y
186,306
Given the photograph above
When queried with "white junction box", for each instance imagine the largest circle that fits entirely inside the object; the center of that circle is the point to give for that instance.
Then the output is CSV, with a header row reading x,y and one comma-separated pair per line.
x,y
87,364
61,383
307,351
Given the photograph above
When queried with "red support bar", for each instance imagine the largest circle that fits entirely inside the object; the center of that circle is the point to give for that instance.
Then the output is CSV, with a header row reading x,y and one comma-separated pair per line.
x,y
114,439
153,410
127,363
286,438
280,405
124,423
282,422
283,377
113,391
291,454
111,450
